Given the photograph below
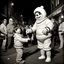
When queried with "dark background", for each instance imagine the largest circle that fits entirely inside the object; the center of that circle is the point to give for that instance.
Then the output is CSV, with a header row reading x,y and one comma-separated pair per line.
x,y
26,7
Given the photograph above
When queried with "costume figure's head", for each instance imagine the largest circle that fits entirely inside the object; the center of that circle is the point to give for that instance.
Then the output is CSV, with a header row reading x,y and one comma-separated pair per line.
x,y
40,13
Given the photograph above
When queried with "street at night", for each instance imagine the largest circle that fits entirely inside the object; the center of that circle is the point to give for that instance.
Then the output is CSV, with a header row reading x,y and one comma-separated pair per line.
x,y
31,56
32,31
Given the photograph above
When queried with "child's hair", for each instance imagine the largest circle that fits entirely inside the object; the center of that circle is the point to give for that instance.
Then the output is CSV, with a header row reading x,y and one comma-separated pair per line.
x,y
17,28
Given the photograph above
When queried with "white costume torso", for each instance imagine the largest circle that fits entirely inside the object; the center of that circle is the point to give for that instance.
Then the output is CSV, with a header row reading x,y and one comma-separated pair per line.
x,y
39,27
44,40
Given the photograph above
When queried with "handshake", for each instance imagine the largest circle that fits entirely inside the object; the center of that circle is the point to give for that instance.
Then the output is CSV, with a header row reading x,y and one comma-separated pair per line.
x,y
28,39
28,31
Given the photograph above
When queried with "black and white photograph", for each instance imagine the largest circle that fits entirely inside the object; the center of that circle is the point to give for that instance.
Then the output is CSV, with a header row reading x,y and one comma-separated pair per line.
x,y
31,32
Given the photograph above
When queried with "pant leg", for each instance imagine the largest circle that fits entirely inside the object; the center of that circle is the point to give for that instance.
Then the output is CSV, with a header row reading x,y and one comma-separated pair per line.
x,y
4,44
48,54
47,44
19,55
42,52
9,42
53,42
61,41
40,44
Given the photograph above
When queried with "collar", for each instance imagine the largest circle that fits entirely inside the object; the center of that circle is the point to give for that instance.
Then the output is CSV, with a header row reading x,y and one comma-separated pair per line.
x,y
42,20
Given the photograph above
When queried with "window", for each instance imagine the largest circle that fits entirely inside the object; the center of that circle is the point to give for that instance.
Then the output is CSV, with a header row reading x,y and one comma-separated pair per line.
x,y
57,3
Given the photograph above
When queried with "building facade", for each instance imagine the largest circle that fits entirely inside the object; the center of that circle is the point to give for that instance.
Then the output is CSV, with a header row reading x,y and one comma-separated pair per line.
x,y
56,7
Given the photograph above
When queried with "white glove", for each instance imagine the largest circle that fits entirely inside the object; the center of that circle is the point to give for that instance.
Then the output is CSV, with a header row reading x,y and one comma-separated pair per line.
x,y
45,32
28,31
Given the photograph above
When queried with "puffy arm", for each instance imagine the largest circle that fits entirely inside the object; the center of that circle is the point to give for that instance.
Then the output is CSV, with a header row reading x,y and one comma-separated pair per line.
x,y
34,27
50,25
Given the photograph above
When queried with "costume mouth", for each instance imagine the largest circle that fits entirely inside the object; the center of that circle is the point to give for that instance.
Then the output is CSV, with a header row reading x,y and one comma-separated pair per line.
x,y
39,17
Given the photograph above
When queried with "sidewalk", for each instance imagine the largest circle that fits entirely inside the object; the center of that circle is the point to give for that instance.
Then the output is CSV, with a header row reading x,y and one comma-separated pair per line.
x,y
31,55
10,58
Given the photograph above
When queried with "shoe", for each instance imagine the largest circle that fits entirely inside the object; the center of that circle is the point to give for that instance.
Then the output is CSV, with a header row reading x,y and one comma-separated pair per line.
x,y
22,62
48,60
41,57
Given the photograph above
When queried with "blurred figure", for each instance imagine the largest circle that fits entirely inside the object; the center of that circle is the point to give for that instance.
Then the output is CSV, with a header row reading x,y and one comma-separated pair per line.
x,y
10,29
3,29
61,30
31,36
54,33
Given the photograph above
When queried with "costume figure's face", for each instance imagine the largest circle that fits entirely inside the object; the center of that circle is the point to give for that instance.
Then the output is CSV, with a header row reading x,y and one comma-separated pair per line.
x,y
38,15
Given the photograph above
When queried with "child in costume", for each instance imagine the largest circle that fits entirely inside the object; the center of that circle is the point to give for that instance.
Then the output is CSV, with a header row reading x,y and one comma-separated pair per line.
x,y
43,27
18,45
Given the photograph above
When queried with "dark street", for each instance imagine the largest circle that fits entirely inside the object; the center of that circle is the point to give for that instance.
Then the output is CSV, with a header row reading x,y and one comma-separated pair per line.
x,y
31,55
24,24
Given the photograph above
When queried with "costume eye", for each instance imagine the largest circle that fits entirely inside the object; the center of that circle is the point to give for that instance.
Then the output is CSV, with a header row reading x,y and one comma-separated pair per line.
x,y
36,14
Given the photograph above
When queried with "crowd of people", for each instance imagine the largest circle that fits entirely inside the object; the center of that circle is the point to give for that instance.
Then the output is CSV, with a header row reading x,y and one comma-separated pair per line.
x,y
17,33
7,29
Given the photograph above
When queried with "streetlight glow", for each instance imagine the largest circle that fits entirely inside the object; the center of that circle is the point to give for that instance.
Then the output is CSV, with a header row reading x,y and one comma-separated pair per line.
x,y
62,16
12,3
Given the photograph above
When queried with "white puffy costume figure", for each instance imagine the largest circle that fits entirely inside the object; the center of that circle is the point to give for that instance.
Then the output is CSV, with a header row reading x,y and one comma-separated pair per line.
x,y
43,27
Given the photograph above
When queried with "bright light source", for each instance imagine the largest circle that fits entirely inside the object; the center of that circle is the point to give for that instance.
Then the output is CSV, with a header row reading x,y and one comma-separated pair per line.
x,y
62,16
12,3
21,15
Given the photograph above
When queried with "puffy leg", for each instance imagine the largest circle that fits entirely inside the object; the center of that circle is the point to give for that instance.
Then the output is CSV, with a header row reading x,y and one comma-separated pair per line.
x,y
48,54
42,54
47,48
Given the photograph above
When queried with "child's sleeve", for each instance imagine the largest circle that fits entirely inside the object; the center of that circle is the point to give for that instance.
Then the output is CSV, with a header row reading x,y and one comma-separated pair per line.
x,y
22,39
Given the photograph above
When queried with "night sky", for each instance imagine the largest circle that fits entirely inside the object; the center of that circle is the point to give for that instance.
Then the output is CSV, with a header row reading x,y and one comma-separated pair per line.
x,y
26,7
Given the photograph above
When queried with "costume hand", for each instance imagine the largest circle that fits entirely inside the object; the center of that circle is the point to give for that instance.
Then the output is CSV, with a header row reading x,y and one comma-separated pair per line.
x,y
28,31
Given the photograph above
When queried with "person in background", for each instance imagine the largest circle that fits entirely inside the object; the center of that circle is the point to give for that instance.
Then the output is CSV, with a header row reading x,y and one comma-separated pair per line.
x,y
10,30
61,30
54,32
31,36
3,30
18,44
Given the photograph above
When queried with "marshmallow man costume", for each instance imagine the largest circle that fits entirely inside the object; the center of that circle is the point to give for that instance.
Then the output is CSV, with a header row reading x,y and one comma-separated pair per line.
x,y
43,39
43,27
